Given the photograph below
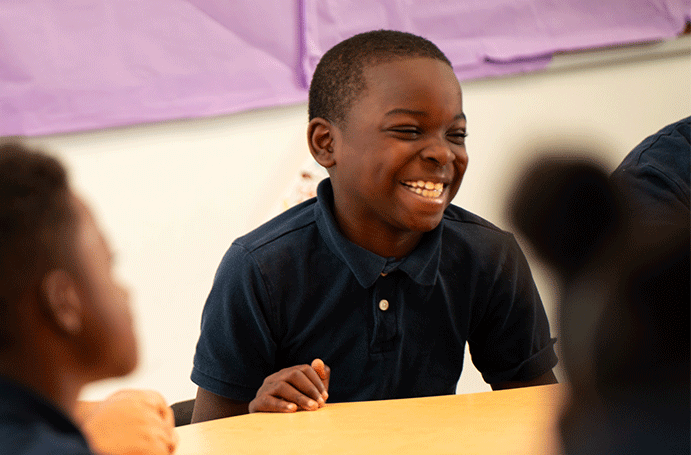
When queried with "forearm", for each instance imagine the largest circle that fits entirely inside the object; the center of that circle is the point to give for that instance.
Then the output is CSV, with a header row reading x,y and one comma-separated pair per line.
x,y
209,406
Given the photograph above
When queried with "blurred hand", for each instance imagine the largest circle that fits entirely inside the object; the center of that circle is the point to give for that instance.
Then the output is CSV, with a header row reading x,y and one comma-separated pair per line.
x,y
131,422
297,387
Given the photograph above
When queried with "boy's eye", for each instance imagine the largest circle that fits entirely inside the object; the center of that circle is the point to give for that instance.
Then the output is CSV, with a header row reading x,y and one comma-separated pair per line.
x,y
457,137
407,132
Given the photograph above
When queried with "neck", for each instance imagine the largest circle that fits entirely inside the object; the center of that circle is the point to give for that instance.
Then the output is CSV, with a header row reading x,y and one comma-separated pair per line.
x,y
43,374
382,243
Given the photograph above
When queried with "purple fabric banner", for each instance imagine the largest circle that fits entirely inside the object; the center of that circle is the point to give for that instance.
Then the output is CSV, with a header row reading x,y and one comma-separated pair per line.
x,y
86,64
495,37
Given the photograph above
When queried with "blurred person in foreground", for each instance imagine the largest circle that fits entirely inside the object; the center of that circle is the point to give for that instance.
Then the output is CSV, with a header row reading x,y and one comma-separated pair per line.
x,y
624,301
64,322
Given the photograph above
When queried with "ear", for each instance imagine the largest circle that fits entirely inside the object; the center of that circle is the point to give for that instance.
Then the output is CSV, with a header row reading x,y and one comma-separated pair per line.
x,y
320,138
62,301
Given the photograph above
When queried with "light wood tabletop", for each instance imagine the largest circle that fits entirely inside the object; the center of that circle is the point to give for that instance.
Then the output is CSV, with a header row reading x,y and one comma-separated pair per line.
x,y
518,421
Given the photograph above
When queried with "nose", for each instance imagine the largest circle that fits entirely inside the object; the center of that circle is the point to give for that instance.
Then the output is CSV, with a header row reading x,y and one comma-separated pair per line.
x,y
438,152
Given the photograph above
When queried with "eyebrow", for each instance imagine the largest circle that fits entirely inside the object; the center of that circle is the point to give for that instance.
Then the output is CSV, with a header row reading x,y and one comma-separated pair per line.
x,y
401,110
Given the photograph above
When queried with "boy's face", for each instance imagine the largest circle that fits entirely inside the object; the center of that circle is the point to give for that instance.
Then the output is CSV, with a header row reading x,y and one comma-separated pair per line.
x,y
400,154
107,343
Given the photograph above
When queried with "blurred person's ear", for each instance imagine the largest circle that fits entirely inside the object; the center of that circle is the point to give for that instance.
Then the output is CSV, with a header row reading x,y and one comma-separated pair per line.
x,y
62,303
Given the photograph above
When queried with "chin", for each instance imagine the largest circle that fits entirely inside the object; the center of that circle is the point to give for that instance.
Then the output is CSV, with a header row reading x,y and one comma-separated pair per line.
x,y
130,365
123,368
123,362
427,224
130,360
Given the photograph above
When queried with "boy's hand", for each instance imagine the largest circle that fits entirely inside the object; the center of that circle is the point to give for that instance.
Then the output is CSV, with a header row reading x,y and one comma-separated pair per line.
x,y
129,422
297,387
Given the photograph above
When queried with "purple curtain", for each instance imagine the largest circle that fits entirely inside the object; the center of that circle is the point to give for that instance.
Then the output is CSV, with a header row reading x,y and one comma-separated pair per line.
x,y
85,64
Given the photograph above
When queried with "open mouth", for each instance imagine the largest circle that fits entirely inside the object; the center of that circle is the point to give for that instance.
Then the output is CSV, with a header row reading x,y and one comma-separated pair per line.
x,y
425,189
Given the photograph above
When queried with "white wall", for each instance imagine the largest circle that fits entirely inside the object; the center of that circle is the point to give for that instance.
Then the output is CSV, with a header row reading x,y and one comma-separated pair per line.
x,y
171,197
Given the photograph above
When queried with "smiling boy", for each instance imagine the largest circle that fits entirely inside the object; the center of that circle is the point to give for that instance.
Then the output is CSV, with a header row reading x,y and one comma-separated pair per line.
x,y
379,275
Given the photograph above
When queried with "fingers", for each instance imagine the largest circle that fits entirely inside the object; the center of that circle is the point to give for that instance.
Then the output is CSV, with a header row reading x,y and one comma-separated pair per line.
x,y
297,387
173,441
132,422
282,395
148,440
165,443
168,416
159,426
324,373
319,367
148,397
269,403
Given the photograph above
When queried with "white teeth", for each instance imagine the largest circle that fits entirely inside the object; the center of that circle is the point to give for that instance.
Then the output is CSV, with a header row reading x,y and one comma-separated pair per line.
x,y
425,185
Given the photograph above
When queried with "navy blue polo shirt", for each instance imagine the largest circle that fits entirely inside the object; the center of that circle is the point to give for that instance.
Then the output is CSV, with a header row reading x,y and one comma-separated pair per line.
x,y
655,175
29,425
295,289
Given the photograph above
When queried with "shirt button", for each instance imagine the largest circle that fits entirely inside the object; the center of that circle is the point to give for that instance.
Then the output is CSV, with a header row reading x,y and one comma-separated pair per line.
x,y
383,304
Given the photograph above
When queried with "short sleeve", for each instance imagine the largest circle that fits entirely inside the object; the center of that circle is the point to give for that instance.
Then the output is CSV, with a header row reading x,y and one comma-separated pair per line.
x,y
655,175
236,350
654,195
511,341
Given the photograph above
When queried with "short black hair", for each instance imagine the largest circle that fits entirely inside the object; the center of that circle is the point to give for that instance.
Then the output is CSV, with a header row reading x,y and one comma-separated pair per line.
x,y
338,79
35,213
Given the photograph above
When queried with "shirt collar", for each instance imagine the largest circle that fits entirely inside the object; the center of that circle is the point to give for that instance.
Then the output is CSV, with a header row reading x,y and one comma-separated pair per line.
x,y
421,265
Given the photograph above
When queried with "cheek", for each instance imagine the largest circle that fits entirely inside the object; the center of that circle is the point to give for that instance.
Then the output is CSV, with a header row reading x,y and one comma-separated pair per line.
x,y
460,166
462,158
110,330
123,342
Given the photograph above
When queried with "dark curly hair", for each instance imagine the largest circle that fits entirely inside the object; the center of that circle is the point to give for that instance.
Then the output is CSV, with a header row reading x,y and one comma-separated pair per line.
x,y
35,215
338,79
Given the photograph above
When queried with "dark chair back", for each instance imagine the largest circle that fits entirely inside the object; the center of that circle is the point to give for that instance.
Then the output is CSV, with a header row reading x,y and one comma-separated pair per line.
x,y
182,411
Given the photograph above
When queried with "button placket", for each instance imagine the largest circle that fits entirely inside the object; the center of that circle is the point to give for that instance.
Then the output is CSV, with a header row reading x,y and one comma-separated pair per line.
x,y
385,325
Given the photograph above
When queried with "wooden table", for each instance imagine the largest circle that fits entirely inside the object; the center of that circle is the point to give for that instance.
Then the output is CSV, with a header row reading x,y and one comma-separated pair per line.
x,y
518,421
